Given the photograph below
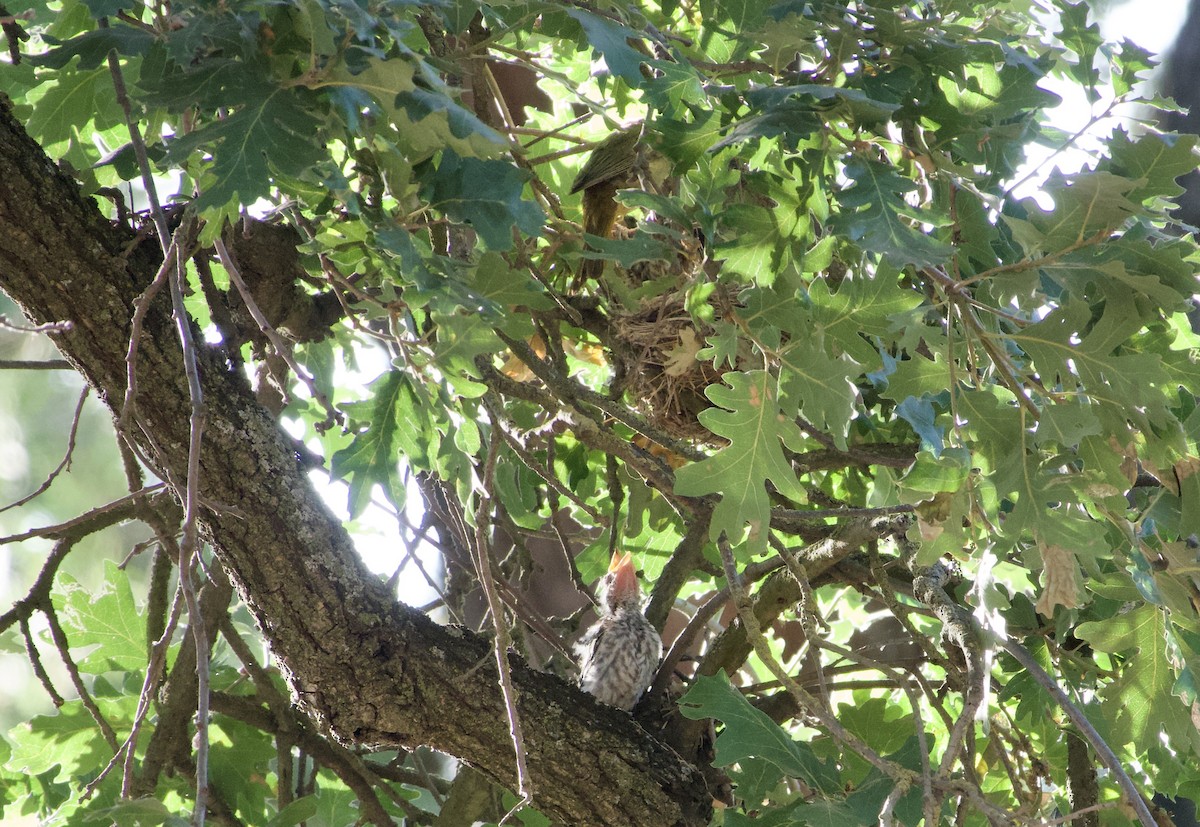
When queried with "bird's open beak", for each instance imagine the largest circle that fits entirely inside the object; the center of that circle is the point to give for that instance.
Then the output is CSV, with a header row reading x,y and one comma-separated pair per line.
x,y
619,561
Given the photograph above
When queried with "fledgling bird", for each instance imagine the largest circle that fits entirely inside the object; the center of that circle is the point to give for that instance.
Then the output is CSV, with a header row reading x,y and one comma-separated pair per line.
x,y
619,654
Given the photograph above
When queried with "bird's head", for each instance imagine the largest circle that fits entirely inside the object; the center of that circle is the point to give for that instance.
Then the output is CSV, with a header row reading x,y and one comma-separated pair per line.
x,y
621,583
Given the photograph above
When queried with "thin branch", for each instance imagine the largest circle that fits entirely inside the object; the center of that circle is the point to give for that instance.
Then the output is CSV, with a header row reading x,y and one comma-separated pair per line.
x,y
785,516
1103,750
35,364
128,748
914,701
67,534
59,635
49,327
546,474
348,767
595,435
960,630
154,670
66,460
745,607
189,548
570,389
35,659
120,507
1083,811
141,308
684,640
483,566
190,545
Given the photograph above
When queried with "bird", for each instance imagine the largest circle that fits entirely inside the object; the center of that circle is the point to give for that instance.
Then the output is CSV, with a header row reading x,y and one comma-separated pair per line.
x,y
619,654
610,167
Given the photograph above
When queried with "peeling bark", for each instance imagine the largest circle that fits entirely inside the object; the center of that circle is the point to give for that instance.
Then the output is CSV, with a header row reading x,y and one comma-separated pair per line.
x,y
370,671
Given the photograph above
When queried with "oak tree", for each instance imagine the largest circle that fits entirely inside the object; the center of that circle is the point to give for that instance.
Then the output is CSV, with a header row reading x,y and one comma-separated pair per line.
x,y
882,377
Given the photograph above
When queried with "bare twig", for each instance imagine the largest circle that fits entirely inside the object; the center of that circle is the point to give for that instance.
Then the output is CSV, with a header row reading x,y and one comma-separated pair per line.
x,y
592,433
189,548
59,635
783,516
1080,813
154,671
129,405
684,640
913,699
570,389
66,460
119,509
35,659
49,327
546,473
483,565
958,629
158,658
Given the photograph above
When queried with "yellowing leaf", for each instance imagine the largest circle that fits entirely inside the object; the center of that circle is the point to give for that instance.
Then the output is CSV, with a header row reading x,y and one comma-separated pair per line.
x,y
1062,580
514,368
682,357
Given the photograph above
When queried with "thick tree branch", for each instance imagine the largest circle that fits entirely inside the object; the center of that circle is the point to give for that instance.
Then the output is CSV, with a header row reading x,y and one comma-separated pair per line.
x,y
368,670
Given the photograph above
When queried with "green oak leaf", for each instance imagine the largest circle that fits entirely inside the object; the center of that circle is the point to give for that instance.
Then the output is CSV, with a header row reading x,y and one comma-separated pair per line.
x,y
501,286
611,40
274,130
1084,41
485,194
77,97
1153,162
686,142
108,619
861,310
431,120
817,386
94,47
642,246
749,417
1081,354
1142,698
68,739
395,424
1085,203
749,733
876,216
759,240
917,376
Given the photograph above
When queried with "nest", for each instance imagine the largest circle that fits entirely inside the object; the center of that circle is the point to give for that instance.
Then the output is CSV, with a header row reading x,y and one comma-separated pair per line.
x,y
665,380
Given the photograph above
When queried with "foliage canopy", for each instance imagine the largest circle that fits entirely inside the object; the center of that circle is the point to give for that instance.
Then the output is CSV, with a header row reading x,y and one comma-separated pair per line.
x,y
838,345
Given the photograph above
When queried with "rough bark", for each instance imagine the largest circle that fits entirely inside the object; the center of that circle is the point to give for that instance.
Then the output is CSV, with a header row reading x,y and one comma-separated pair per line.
x,y
370,671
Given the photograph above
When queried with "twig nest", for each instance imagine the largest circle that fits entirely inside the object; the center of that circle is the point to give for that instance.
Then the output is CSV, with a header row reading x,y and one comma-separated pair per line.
x,y
666,380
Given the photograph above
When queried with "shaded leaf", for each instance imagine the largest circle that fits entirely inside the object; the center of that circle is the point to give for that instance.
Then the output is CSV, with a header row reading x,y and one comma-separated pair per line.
x,y
396,426
749,733
875,216
485,194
